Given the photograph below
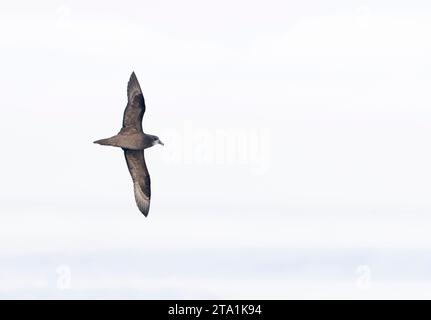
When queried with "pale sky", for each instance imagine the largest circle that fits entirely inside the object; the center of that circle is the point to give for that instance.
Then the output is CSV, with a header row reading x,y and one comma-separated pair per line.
x,y
341,88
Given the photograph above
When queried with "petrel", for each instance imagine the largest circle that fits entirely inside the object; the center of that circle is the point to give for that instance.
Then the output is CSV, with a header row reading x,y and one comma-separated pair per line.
x,y
133,141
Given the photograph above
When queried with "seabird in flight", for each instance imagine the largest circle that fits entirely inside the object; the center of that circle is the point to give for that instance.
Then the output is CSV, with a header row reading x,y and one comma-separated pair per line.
x,y
133,141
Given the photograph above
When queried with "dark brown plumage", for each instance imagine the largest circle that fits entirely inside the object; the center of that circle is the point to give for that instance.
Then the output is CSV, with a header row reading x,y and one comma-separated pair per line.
x,y
133,141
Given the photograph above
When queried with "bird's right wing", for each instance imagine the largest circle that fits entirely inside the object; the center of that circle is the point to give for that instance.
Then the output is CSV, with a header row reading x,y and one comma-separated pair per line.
x,y
135,109
141,179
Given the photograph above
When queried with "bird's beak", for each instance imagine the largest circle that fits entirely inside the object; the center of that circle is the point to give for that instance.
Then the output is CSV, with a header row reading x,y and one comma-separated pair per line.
x,y
160,142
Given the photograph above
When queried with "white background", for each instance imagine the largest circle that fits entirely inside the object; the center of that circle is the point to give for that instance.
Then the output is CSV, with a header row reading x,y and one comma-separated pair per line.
x,y
329,197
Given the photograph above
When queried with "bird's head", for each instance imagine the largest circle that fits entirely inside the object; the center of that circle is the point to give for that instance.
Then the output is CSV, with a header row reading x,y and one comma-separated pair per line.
x,y
156,140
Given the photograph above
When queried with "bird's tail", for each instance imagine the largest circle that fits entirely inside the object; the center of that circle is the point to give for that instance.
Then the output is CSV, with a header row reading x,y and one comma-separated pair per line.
x,y
121,141
108,142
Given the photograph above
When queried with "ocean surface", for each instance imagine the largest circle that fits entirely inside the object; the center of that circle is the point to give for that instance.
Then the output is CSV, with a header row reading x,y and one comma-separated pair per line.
x,y
213,255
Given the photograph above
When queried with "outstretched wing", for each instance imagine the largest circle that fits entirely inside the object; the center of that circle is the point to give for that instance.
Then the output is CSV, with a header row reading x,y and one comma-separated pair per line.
x,y
132,118
141,179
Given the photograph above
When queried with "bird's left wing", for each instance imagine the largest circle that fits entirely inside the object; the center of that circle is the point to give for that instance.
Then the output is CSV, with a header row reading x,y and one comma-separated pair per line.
x,y
141,179
135,109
